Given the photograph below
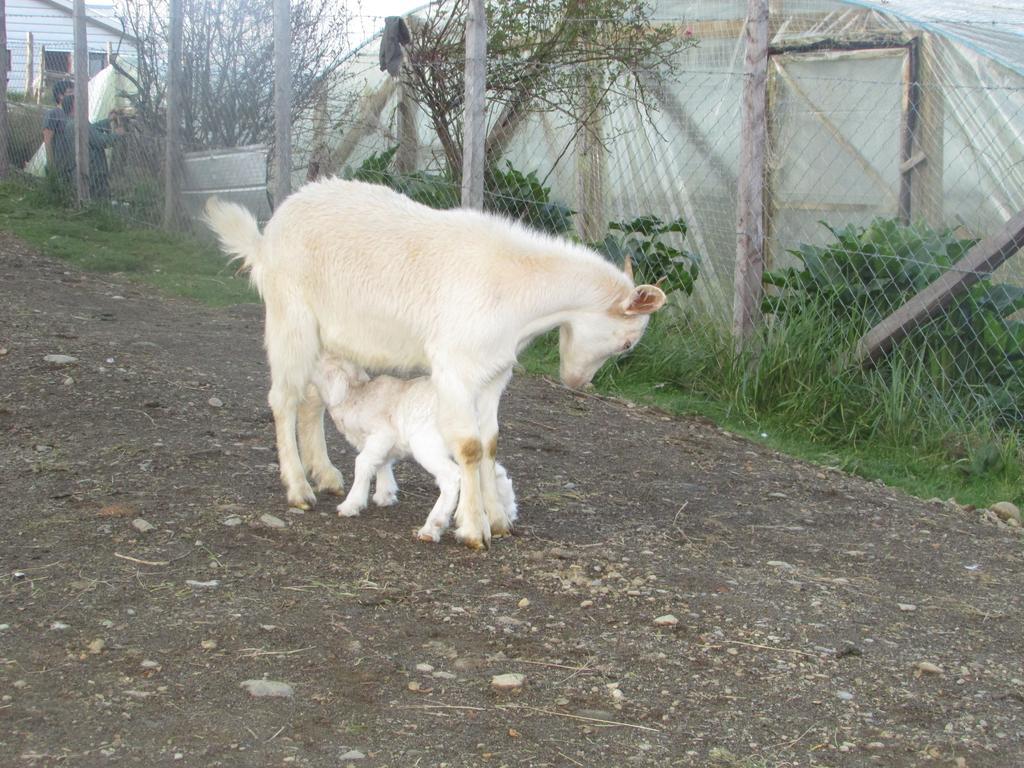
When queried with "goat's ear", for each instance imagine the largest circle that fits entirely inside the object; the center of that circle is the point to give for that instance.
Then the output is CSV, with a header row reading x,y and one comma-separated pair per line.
x,y
643,300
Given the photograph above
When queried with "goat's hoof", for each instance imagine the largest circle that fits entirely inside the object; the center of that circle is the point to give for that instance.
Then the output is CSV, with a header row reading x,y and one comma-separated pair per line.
x,y
497,531
349,510
430,535
302,502
473,541
385,499
332,483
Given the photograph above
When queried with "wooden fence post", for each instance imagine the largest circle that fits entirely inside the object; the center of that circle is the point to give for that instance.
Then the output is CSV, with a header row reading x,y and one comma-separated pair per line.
x,y
41,89
5,123
81,67
474,132
282,101
30,62
172,153
753,149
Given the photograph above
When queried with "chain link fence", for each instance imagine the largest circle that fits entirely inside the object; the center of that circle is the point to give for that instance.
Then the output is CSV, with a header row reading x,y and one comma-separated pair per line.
x,y
895,145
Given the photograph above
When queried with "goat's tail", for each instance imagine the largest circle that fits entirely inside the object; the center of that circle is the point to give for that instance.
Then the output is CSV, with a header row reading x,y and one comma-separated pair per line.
x,y
239,235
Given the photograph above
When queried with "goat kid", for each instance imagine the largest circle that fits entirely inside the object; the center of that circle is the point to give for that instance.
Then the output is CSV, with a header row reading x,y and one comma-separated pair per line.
x,y
388,419
359,272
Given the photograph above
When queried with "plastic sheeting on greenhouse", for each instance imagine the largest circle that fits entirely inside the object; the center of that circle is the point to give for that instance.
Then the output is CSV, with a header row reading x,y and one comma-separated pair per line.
x,y
839,106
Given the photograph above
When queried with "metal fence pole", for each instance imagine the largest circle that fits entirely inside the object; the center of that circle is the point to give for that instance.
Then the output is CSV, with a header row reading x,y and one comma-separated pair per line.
x,y
474,124
81,67
282,101
172,154
753,145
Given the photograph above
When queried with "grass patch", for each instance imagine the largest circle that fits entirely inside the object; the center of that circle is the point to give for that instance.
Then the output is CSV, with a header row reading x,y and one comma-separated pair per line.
x,y
97,240
889,425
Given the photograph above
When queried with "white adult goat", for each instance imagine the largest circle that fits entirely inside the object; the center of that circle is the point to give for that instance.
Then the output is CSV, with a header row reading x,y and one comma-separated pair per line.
x,y
386,420
362,273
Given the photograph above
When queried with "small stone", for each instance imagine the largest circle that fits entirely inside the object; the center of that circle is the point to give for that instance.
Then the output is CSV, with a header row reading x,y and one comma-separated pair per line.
x,y
133,694
907,607
668,620
59,625
97,646
844,695
215,402
875,745
68,381
209,645
524,603
211,584
4,627
586,604
232,521
511,681
352,754
928,668
60,359
271,521
414,686
782,564
1007,511
19,684
427,668
3,351
443,675
267,688
149,664
142,526
777,495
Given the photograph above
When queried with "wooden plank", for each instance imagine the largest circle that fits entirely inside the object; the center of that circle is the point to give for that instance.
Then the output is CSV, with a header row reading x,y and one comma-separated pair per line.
x,y
753,148
172,154
81,66
40,91
282,101
982,259
30,62
5,122
908,131
474,123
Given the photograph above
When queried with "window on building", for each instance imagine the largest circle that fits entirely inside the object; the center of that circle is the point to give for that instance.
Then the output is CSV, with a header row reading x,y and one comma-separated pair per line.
x,y
58,61
97,61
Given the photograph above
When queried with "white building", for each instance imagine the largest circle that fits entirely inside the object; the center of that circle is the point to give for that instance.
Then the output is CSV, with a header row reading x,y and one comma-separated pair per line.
x,y
49,25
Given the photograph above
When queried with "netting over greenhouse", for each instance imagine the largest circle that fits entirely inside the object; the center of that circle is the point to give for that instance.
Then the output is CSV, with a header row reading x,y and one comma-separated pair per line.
x,y
869,103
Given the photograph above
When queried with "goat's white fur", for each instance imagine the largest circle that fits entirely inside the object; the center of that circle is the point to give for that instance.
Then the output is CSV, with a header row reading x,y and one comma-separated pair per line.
x,y
362,273
386,420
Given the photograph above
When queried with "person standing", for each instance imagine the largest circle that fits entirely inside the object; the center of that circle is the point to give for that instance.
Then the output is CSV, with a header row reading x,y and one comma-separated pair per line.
x,y
56,134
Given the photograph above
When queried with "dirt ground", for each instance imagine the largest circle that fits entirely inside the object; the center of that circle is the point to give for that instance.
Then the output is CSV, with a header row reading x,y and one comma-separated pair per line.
x,y
821,619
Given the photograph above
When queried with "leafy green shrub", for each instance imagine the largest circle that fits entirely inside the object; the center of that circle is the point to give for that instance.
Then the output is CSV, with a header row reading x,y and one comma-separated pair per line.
x,y
974,350
523,197
653,259
434,190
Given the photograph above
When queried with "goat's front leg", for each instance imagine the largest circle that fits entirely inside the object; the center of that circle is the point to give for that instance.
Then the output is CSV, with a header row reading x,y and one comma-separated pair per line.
x,y
385,492
487,410
458,425
313,444
370,459
431,453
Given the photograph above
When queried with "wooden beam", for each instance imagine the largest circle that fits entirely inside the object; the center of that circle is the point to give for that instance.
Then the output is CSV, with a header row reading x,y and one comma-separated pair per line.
x,y
172,155
474,129
980,261
81,114
282,101
30,62
747,284
908,130
5,122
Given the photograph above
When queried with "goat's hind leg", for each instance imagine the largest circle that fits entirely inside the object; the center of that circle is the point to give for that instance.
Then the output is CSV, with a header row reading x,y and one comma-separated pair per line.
x,y
292,351
313,445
